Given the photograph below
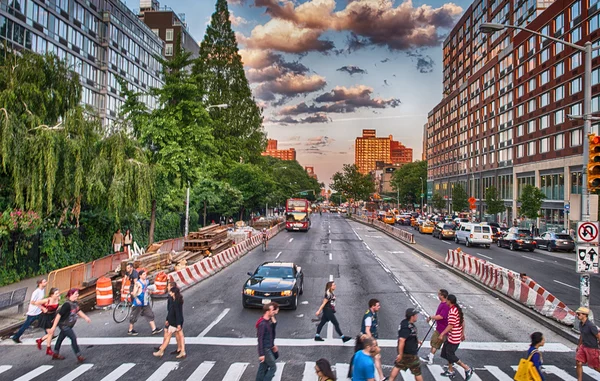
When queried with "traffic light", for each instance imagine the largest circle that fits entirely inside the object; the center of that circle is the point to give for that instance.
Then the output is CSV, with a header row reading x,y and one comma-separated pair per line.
x,y
594,163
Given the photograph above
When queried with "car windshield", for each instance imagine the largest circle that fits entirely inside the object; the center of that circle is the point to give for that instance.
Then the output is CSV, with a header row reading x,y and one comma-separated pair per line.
x,y
274,272
296,216
448,227
563,236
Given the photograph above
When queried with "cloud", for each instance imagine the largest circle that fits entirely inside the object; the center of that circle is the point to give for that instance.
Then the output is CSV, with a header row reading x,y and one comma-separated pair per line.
x,y
294,138
352,70
385,60
237,20
319,141
289,85
318,118
424,63
237,2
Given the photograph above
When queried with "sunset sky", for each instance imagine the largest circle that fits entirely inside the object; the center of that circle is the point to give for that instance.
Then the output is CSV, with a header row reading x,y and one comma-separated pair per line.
x,y
325,69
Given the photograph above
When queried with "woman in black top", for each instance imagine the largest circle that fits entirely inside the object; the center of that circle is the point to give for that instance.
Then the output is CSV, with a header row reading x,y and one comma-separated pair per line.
x,y
174,324
328,309
65,319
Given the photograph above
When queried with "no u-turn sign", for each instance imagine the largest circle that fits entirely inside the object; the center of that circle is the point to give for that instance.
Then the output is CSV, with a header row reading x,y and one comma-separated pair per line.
x,y
587,232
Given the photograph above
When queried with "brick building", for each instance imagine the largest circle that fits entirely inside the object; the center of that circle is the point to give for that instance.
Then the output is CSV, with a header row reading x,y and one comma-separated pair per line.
x,y
369,149
283,154
311,172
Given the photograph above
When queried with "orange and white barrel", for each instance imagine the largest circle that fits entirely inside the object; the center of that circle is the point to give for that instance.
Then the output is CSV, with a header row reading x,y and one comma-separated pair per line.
x,y
104,292
160,281
125,288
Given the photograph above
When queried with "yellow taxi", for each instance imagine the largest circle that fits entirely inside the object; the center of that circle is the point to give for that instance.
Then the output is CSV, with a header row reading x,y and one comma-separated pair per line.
x,y
426,227
389,219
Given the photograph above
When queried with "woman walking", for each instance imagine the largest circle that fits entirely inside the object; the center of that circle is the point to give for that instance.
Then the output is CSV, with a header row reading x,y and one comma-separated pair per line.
x,y
537,341
65,319
328,309
174,324
127,241
456,334
323,370
49,307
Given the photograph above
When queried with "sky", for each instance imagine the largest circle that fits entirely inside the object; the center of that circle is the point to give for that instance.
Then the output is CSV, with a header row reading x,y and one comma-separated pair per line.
x,y
323,70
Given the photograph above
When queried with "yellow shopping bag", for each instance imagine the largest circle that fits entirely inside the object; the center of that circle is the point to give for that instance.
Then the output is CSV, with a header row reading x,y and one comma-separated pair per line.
x,y
527,371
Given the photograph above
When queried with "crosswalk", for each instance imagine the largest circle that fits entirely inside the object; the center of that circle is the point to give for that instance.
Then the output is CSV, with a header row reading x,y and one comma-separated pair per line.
x,y
240,371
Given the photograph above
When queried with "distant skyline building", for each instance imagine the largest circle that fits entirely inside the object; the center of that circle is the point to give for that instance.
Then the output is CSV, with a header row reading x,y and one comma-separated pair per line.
x,y
311,172
369,149
283,154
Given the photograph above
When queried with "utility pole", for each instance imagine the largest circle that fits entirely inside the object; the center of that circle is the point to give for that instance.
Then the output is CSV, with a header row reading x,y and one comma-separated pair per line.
x,y
187,212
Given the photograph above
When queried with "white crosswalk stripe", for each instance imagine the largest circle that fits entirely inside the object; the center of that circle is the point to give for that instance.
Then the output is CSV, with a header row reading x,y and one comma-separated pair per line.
x,y
235,371
201,371
592,373
117,373
164,370
81,369
279,372
496,372
436,372
4,368
34,373
309,372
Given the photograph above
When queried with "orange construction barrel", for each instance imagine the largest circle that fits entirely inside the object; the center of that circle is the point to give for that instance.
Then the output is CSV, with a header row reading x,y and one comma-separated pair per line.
x,y
160,281
104,292
125,288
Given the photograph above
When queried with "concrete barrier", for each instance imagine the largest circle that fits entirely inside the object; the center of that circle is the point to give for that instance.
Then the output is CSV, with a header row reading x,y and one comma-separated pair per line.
x,y
403,235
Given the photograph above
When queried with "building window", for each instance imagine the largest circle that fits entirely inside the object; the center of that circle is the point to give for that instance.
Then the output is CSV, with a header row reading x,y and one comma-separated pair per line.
x,y
576,181
544,77
576,109
559,93
559,142
520,91
576,138
559,69
558,48
531,105
531,126
544,122
169,35
575,61
520,110
576,85
168,50
531,148
553,186
532,85
544,55
576,34
575,13
544,145
155,31
559,24
521,150
545,99
559,117
596,103
520,130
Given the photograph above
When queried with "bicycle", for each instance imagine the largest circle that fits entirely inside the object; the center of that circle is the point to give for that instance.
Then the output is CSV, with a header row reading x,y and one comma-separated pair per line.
x,y
264,245
123,309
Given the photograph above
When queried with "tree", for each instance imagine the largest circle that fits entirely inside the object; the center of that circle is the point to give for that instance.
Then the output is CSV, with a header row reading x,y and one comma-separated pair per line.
x,y
220,74
254,184
460,200
406,180
531,201
353,184
438,201
494,204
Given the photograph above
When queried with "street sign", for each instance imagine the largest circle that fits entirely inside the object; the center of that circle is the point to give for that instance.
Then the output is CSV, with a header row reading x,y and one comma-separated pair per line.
x,y
587,259
567,207
587,232
422,195
472,200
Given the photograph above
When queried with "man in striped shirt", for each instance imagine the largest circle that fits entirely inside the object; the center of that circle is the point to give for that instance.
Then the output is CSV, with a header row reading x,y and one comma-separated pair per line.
x,y
456,334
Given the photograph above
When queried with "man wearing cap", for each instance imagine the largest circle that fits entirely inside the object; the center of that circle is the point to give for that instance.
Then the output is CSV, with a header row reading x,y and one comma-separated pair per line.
x,y
588,351
408,347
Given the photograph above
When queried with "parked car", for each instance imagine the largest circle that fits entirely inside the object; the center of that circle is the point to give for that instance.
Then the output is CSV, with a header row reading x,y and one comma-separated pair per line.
x,y
443,231
552,241
474,234
517,241
426,227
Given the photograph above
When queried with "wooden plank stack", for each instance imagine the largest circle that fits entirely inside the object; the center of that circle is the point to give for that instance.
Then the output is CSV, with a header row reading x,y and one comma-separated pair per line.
x,y
212,238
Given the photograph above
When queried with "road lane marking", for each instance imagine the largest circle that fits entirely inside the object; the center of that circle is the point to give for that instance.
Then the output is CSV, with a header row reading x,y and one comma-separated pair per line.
x,y
331,277
278,254
34,373
330,242
329,331
330,256
77,372
533,259
163,371
485,256
496,372
309,371
235,371
342,370
120,371
278,372
291,239
564,284
436,371
215,322
357,236
447,243
592,373
4,368
201,371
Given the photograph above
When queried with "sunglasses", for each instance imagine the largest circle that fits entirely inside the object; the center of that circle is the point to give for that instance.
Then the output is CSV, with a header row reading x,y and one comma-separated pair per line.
x,y
317,370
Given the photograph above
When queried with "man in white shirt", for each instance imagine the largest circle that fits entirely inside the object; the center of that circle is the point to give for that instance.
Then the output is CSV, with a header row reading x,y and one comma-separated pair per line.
x,y
33,312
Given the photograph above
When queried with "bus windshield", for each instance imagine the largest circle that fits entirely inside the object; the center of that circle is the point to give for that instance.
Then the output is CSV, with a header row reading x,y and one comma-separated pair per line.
x,y
296,217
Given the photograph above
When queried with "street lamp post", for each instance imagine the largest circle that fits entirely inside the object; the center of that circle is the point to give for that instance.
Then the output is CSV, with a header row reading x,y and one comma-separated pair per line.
x,y
587,117
421,195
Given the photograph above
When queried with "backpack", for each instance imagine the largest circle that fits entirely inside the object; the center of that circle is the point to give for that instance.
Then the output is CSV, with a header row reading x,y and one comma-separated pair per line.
x,y
526,370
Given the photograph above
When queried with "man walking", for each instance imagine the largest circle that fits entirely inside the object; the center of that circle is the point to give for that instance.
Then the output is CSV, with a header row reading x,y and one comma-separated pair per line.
x,y
265,333
141,305
33,311
441,321
363,366
132,275
587,349
117,241
408,347
369,325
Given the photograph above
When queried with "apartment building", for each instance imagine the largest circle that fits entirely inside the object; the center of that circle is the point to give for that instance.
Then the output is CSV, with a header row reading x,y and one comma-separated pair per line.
x,y
283,154
369,149
100,39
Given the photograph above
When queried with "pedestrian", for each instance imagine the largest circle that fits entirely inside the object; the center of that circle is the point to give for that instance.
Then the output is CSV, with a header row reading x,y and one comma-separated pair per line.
x,y
587,348
141,305
230,220
128,241
265,333
440,319
323,370
49,307
33,311
174,324
328,309
369,326
537,341
65,319
117,241
363,364
533,230
456,334
408,347
132,275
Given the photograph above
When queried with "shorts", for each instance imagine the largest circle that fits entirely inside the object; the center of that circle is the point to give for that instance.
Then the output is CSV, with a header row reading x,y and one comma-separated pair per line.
x,y
412,362
145,311
589,356
173,329
435,340
449,352
117,247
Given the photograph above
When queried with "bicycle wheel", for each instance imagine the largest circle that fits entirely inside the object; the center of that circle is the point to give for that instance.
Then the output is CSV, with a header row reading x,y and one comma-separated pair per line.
x,y
121,311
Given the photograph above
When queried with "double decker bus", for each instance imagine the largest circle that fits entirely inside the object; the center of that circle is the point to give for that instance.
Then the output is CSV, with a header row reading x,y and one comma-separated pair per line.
x,y
297,214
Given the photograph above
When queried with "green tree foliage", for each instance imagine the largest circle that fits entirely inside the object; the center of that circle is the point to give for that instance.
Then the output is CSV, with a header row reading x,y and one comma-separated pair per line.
x,y
254,183
438,201
494,204
460,200
531,201
220,74
353,184
290,178
406,180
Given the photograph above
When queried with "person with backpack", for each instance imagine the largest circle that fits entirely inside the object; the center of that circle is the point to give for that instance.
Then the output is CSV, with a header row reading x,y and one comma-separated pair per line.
x,y
66,317
537,340
141,304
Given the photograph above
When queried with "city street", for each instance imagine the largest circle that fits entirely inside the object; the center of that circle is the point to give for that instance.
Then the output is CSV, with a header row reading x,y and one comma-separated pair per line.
x,y
221,337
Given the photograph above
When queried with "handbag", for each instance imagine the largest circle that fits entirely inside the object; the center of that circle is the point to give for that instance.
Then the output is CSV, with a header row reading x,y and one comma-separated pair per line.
x,y
526,370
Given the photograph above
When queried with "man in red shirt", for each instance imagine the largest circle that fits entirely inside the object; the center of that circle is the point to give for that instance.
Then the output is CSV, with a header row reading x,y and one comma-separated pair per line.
x,y
456,334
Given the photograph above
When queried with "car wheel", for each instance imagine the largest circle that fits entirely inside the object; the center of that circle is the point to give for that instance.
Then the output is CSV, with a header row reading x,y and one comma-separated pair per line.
x,y
531,250
456,240
440,237
549,247
301,289
295,303
512,246
487,246
244,304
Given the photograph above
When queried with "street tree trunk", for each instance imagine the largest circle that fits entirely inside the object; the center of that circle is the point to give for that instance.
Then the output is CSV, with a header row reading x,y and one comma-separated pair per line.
x,y
152,223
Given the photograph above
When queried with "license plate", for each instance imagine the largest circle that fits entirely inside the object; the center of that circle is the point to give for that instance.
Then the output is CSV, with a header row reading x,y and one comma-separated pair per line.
x,y
485,236
565,242
527,241
296,228
266,301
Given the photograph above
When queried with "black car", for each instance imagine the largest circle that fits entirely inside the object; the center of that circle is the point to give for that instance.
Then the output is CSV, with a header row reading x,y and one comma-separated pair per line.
x,y
517,241
555,242
280,282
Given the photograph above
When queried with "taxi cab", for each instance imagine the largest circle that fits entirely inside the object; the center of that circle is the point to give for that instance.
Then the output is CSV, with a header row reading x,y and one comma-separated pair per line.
x,y
426,227
389,219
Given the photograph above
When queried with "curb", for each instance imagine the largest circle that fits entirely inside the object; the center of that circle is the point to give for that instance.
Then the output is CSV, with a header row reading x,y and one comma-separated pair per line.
x,y
547,323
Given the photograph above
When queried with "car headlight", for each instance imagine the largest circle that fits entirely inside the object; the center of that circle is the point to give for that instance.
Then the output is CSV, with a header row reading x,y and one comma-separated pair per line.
x,y
249,291
286,293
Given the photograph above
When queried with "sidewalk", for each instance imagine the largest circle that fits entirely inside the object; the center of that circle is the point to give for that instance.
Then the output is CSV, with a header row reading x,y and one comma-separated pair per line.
x,y
10,319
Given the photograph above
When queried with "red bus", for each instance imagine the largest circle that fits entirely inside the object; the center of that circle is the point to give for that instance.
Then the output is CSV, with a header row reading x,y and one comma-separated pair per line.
x,y
297,214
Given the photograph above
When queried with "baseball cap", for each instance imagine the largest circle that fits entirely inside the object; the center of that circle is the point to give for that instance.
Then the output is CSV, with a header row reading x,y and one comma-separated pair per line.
x,y
410,312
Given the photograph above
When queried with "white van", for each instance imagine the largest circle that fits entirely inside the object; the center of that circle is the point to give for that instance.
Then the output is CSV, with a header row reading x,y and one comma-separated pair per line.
x,y
474,234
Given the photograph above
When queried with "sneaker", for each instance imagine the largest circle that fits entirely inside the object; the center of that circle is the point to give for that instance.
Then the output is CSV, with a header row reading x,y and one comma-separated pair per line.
x,y
448,374
319,338
157,330
133,332
468,374
16,340
345,339
427,360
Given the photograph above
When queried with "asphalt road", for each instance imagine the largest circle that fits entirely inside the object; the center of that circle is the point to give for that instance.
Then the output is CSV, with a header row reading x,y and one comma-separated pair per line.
x,y
220,334
554,271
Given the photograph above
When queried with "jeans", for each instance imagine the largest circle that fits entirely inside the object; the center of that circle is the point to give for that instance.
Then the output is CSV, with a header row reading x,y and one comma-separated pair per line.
x,y
28,321
329,315
67,332
267,368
